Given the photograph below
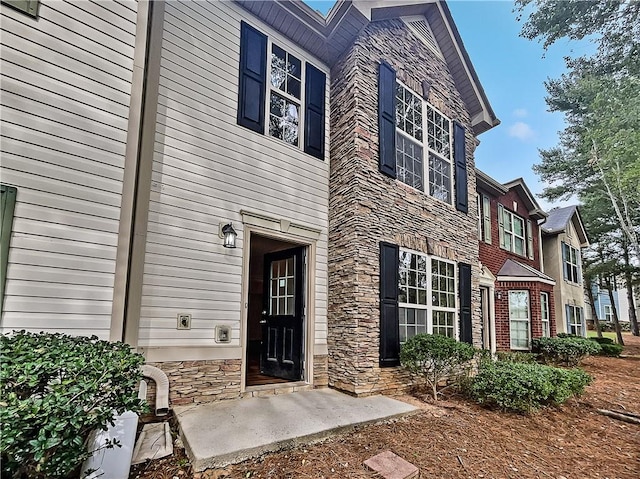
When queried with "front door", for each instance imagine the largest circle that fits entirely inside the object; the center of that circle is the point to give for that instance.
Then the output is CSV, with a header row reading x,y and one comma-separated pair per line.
x,y
282,315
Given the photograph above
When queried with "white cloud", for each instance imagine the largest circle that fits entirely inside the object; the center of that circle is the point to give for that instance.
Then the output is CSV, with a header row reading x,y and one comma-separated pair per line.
x,y
521,130
520,112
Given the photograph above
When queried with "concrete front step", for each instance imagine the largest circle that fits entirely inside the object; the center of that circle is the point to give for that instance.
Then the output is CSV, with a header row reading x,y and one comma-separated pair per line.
x,y
226,432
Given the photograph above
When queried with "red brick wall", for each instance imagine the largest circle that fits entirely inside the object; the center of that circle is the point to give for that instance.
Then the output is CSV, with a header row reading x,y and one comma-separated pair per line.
x,y
491,255
502,310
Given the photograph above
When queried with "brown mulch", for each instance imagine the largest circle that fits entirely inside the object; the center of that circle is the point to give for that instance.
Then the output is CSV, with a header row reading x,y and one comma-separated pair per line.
x,y
458,439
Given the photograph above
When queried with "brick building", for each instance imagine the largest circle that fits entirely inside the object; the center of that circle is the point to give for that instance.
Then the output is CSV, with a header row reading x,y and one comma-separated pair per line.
x,y
517,297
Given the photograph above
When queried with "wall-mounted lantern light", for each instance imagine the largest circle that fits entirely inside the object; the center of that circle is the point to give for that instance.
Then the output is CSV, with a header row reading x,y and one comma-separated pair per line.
x,y
229,235
499,295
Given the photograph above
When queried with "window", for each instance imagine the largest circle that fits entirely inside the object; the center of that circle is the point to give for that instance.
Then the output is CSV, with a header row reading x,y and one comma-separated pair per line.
x,y
289,89
519,319
426,296
574,320
7,206
544,314
30,7
512,233
423,146
571,263
608,313
484,218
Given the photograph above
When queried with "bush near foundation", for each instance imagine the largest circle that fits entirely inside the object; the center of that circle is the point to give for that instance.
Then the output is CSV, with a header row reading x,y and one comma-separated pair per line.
x,y
523,387
436,358
566,350
602,340
54,391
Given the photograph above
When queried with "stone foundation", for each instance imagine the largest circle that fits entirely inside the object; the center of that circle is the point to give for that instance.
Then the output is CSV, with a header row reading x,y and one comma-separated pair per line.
x,y
199,381
320,371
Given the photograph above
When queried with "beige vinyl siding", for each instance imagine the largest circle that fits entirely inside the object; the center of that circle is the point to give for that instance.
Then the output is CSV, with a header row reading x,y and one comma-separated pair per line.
x,y
206,170
66,84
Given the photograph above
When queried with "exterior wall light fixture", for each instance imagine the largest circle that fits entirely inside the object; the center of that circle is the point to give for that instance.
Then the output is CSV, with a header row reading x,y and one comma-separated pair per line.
x,y
229,235
499,295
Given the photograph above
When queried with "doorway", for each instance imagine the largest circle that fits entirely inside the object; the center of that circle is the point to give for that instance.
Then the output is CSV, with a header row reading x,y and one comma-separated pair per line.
x,y
275,311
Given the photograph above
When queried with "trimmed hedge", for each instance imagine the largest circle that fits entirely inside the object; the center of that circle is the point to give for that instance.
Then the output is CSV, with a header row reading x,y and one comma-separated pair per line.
x,y
611,350
55,391
567,350
523,387
602,340
517,357
435,358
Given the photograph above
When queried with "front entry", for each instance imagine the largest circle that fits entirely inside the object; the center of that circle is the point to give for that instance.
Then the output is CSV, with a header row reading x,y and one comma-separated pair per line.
x,y
276,325
282,331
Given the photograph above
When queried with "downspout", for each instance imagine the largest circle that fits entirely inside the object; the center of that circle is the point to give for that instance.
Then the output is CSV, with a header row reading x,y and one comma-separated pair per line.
x,y
162,388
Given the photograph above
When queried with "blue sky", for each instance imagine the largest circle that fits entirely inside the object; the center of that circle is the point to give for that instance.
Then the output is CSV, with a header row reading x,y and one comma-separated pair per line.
x,y
512,71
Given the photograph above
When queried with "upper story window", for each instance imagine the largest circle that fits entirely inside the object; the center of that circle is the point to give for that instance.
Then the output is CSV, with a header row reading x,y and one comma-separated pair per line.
x,y
30,7
423,146
484,218
418,145
280,94
515,233
571,263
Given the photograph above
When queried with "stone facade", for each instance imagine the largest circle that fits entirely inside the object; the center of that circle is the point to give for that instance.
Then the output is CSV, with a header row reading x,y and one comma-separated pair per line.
x,y
200,381
367,207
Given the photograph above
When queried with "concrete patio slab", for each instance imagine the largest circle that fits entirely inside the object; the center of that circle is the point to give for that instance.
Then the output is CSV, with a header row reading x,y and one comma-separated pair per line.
x,y
227,432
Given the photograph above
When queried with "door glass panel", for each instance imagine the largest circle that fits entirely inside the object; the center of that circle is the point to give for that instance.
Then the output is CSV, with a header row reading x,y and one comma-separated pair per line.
x,y
287,354
282,291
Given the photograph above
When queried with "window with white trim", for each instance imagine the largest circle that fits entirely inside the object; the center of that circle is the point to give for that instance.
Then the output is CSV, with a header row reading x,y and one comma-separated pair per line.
x,y
608,313
519,319
426,295
284,95
423,160
513,232
545,315
571,263
574,320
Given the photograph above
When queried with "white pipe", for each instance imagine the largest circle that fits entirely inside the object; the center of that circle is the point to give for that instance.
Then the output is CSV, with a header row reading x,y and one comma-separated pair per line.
x,y
162,388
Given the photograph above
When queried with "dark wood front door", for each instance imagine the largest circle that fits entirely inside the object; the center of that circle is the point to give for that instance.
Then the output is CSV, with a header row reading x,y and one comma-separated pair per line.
x,y
282,315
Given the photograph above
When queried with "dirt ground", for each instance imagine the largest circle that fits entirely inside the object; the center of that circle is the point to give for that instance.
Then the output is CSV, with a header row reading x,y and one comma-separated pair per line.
x,y
458,439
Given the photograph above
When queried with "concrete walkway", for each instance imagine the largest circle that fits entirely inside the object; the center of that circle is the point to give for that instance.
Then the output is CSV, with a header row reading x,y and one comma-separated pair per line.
x,y
222,433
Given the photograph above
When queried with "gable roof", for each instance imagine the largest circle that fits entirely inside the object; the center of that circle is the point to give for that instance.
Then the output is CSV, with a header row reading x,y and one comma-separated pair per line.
x,y
558,221
490,185
514,271
328,37
525,193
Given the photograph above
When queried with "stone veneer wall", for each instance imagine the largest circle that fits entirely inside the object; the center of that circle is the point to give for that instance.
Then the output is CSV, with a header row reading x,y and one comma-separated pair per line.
x,y
200,381
207,381
366,207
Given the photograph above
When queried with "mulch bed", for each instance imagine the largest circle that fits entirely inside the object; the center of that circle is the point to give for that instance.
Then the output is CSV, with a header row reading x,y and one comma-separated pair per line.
x,y
455,438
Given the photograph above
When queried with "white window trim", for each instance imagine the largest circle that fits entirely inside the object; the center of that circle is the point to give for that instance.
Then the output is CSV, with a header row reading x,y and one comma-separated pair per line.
x,y
545,314
504,211
572,250
486,219
607,310
528,320
429,307
426,150
574,324
299,101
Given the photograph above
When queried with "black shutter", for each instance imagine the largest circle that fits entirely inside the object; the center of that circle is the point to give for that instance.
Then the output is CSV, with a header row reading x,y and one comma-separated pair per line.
x,y
464,285
314,112
387,119
389,329
459,154
252,78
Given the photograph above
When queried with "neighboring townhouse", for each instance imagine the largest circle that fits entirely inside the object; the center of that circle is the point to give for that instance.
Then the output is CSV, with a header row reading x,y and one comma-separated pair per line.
x,y
517,297
563,236
292,195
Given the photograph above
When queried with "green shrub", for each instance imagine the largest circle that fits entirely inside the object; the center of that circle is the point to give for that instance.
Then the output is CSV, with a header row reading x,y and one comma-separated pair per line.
x,y
517,357
524,387
55,390
602,340
612,350
567,350
435,358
